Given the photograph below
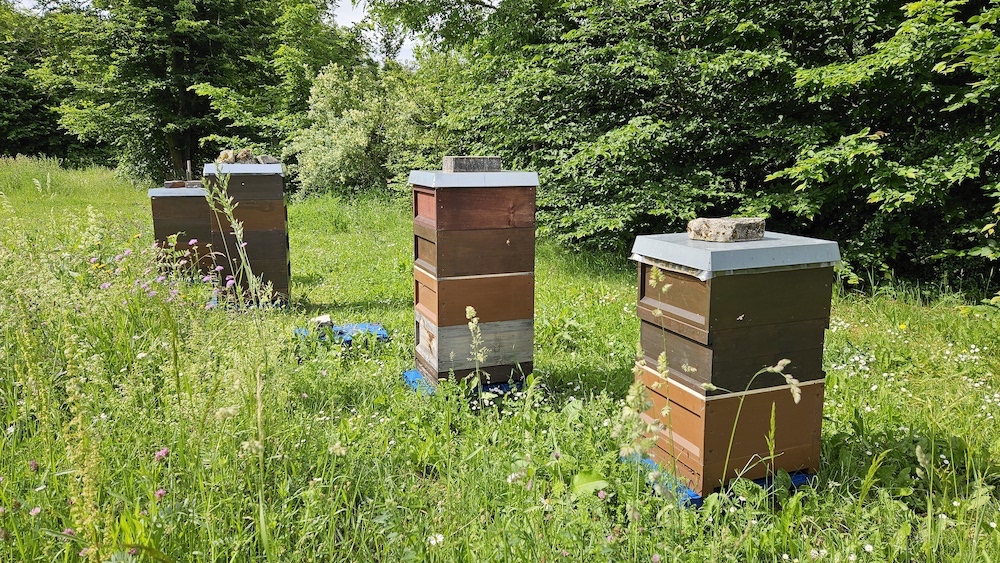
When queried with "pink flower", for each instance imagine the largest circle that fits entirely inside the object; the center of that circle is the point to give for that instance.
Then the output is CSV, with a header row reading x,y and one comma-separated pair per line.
x,y
161,279
656,558
33,466
161,454
219,268
105,285
230,283
93,260
35,511
206,279
127,252
192,242
160,493
602,494
84,552
69,532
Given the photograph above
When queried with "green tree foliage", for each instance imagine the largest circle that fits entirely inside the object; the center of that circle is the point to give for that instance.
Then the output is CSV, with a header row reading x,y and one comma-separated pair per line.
x,y
850,119
27,123
907,172
370,125
266,113
155,79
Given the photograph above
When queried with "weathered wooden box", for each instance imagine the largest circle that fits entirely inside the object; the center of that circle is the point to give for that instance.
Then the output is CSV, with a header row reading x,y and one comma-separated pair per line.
x,y
474,246
696,429
717,313
258,192
183,211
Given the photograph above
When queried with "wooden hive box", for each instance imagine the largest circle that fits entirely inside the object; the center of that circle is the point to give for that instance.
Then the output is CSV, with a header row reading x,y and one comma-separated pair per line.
x,y
179,209
694,441
258,192
718,312
474,246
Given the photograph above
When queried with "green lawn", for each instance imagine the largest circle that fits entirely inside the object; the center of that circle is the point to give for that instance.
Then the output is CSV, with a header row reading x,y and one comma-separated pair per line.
x,y
137,424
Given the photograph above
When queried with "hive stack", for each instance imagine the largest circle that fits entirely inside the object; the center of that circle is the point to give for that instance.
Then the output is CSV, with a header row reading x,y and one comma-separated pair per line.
x,y
719,312
258,190
179,208
474,246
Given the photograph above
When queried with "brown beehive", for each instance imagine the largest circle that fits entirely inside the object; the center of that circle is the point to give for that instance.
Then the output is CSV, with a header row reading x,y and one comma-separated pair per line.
x,y
258,192
181,209
474,246
719,312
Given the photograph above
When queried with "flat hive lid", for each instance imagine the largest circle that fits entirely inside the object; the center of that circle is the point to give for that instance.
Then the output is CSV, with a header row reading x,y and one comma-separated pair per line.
x,y
212,169
705,260
502,179
177,192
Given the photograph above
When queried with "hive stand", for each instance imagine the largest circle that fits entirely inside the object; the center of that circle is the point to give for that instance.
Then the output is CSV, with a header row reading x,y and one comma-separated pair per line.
x,y
474,246
258,192
719,312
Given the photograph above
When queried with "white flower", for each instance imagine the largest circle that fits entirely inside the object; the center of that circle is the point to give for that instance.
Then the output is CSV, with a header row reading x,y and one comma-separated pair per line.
x,y
869,548
436,538
993,525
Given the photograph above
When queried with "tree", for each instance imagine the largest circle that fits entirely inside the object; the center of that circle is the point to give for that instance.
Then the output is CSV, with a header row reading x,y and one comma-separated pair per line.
x,y
28,125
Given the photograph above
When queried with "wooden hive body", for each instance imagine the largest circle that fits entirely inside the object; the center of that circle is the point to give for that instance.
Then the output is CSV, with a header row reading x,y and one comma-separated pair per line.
x,y
716,321
182,211
258,192
474,246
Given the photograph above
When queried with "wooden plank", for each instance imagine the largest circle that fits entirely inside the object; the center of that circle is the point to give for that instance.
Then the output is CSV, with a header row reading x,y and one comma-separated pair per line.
x,y
425,206
797,434
487,374
425,254
195,208
450,348
424,229
484,208
256,215
251,186
770,298
495,298
261,245
485,251
743,353
675,301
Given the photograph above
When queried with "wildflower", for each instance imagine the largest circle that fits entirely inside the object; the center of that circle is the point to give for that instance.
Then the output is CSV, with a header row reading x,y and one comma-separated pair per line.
x,y
105,285
206,278
435,539
993,525
226,413
209,305
602,494
33,466
84,552
69,532
160,493
869,548
514,477
338,449
192,242
655,558
219,268
35,511
140,356
161,454
133,551
902,326
161,279
93,260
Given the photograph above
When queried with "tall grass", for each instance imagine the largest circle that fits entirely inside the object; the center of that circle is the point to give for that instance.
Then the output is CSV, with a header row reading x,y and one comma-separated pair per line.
x,y
138,425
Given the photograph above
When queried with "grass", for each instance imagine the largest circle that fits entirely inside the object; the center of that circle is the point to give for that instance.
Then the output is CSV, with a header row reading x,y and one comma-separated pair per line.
x,y
137,425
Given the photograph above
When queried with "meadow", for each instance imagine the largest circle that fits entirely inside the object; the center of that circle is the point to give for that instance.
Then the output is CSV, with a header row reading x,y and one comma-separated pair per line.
x,y
138,422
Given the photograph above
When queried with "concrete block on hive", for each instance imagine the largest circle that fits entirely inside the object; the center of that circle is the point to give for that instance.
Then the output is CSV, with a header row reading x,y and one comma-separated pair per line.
x,y
726,229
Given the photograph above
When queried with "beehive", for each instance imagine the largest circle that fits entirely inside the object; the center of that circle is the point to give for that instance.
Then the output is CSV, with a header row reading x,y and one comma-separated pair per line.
x,y
180,208
719,312
474,246
258,192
